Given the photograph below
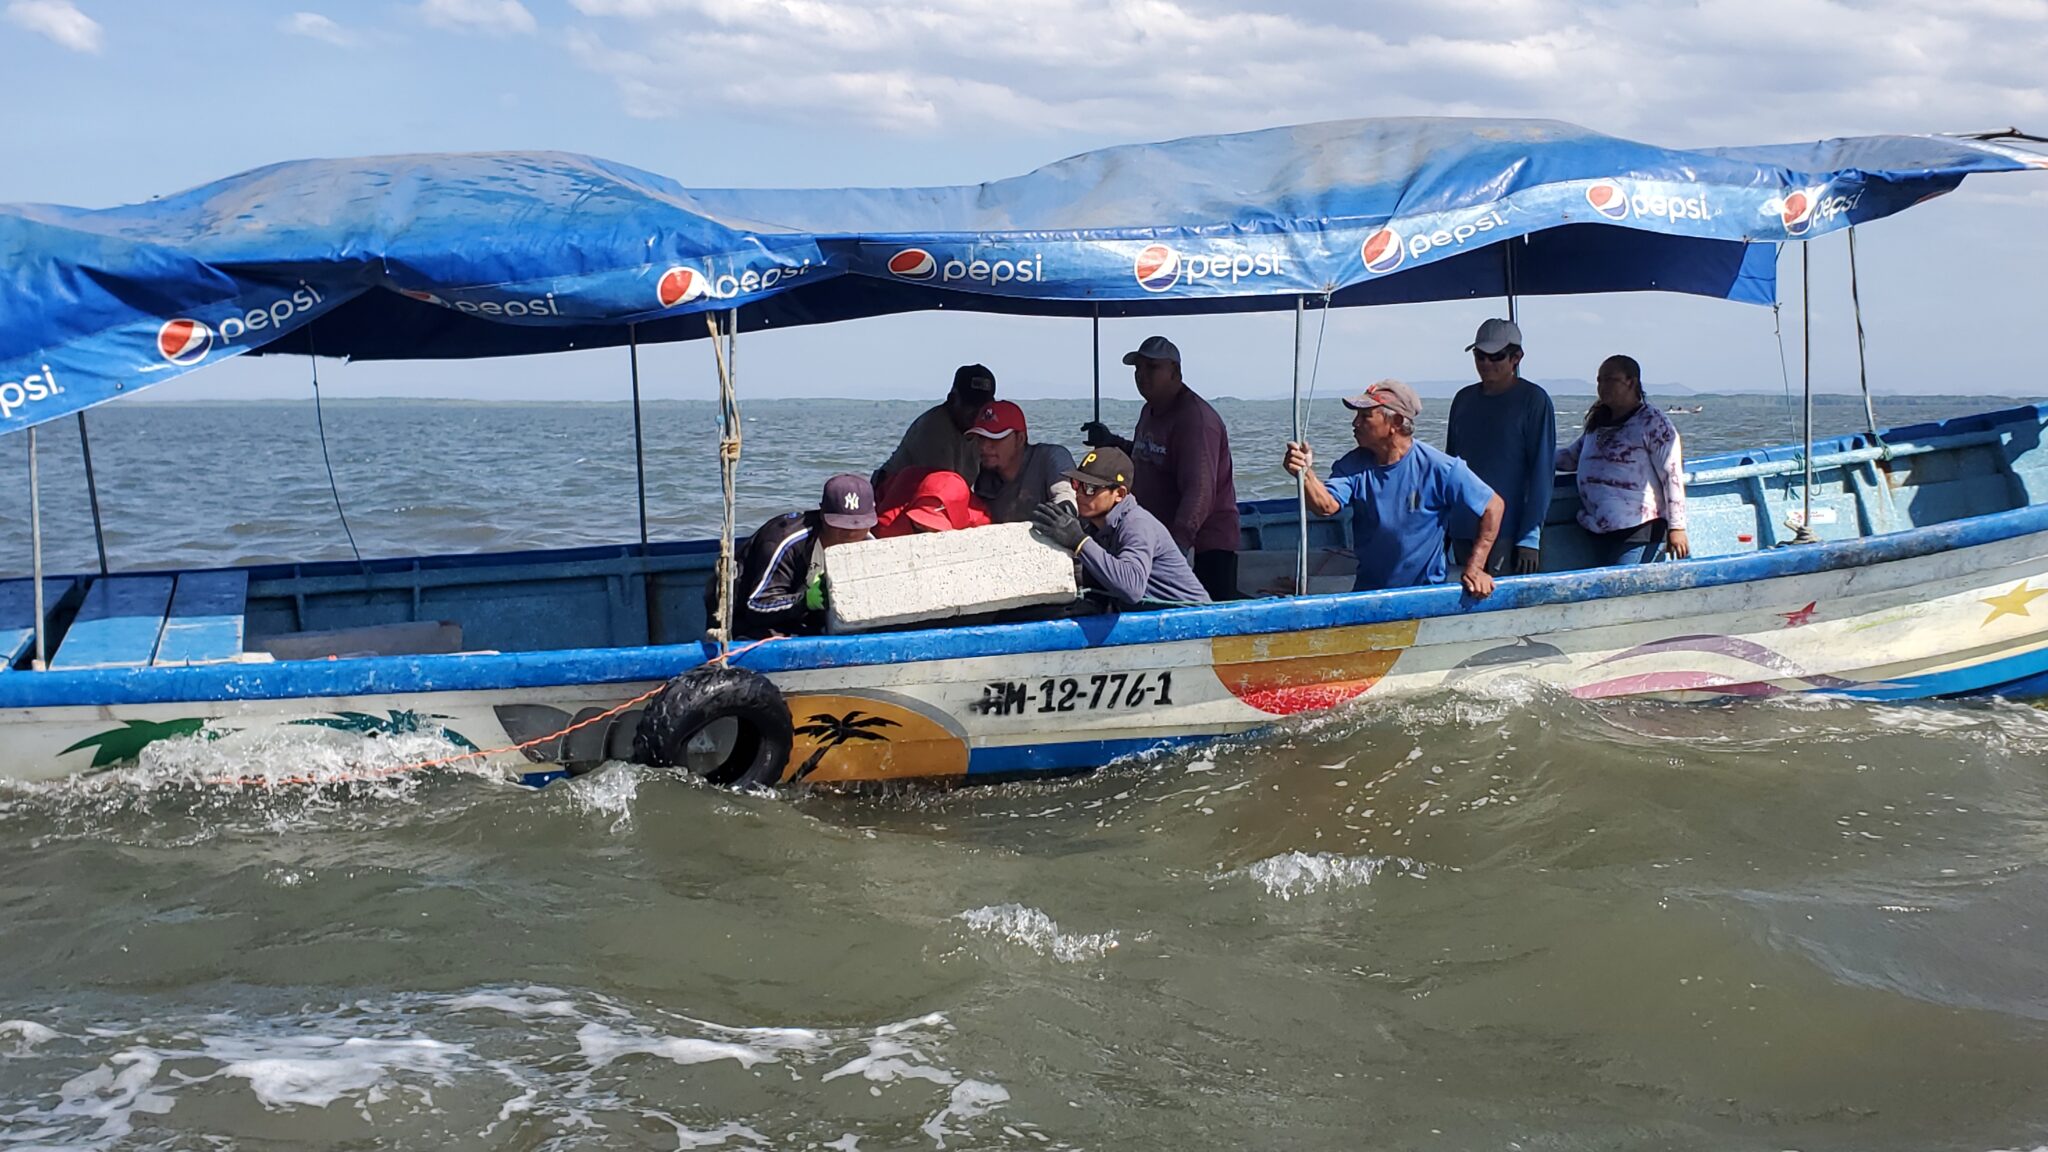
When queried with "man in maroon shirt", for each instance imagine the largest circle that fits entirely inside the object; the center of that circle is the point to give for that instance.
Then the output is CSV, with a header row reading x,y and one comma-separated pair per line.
x,y
1181,457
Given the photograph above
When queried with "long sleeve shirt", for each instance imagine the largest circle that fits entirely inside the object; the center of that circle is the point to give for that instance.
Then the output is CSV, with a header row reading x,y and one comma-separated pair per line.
x,y
1132,557
1629,473
1510,440
934,441
1181,456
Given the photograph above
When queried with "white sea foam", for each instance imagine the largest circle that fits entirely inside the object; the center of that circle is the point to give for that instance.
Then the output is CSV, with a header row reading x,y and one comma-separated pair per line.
x,y
601,1044
318,1070
532,1064
971,1098
1292,874
529,1001
26,1033
1039,932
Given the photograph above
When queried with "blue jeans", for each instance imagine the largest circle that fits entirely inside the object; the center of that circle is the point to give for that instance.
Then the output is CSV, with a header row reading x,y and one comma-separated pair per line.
x,y
1612,548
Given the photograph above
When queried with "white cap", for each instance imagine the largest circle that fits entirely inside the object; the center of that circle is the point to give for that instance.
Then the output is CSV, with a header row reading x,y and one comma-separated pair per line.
x,y
1154,348
1495,335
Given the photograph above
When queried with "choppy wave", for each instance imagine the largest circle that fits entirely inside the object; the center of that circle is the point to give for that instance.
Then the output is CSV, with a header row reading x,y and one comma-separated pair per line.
x,y
533,1065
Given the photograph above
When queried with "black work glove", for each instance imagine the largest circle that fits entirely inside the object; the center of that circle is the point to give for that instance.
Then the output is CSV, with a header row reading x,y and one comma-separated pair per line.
x,y
1096,434
1056,522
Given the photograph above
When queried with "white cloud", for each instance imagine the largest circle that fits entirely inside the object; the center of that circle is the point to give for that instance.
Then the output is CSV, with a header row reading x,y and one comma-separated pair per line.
x,y
496,16
60,20
318,27
1683,73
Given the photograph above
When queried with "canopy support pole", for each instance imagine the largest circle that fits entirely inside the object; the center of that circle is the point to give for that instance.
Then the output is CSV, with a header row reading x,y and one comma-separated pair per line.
x,y
35,536
1804,533
1096,323
1507,259
728,470
1862,365
1300,481
92,491
639,444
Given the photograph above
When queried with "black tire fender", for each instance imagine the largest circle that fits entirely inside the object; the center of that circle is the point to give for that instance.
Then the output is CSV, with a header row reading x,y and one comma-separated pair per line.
x,y
691,703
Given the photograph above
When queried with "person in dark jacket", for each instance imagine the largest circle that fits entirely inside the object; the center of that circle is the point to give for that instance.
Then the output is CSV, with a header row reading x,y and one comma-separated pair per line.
x,y
780,587
1182,453
1125,551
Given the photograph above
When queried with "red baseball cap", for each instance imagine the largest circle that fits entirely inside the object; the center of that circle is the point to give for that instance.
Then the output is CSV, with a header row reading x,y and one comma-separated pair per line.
x,y
997,420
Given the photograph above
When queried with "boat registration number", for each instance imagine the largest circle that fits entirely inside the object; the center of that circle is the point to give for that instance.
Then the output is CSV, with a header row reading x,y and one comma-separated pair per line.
x,y
1103,690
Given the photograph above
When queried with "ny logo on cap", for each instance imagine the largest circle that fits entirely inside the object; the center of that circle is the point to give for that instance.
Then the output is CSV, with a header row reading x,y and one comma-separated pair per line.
x,y
852,501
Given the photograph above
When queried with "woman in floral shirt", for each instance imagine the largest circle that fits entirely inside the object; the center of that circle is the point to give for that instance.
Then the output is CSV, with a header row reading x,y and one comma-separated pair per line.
x,y
1631,472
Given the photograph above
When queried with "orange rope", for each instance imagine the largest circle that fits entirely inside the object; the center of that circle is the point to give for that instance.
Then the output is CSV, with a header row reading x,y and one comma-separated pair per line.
x,y
481,753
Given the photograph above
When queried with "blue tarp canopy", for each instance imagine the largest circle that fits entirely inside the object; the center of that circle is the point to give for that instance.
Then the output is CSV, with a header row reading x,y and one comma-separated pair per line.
x,y
494,254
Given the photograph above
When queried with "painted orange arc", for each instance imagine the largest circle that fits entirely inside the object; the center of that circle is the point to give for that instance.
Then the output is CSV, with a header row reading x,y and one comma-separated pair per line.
x,y
1282,673
866,738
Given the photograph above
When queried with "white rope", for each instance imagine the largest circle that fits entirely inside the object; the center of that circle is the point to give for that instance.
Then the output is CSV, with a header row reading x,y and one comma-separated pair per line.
x,y
728,473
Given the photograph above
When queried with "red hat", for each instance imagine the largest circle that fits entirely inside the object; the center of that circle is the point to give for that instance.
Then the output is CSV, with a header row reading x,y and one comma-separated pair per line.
x,y
998,419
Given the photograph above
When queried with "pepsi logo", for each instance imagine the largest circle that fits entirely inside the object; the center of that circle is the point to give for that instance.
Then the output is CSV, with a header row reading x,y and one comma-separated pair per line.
x,y
422,297
913,264
679,286
1157,268
1608,199
1382,251
184,341
1797,211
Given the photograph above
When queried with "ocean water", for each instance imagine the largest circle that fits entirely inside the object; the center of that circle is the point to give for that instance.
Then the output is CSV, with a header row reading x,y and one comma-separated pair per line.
x,y
1505,921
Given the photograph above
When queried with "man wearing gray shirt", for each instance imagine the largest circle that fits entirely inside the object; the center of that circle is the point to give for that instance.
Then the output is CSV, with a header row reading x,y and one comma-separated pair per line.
x,y
936,439
1016,475
1125,551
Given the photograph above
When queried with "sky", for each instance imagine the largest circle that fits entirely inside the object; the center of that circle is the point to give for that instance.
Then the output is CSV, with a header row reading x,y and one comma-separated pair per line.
x,y
119,100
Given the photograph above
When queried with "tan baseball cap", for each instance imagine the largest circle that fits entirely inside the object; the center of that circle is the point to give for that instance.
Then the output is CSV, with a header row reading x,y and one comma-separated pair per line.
x,y
1392,395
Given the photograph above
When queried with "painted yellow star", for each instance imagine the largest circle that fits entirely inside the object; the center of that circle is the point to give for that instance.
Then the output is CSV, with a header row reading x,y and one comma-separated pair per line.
x,y
2013,603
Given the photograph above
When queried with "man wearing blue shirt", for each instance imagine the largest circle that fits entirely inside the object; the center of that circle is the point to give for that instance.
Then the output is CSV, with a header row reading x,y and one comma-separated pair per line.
x,y
1506,429
1402,496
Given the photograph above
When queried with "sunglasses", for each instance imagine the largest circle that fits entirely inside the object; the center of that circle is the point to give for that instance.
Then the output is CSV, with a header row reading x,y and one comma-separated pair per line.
x,y
1091,490
1491,357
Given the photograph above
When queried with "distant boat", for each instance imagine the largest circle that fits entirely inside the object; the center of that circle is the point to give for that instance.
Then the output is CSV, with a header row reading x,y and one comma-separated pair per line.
x,y
1694,410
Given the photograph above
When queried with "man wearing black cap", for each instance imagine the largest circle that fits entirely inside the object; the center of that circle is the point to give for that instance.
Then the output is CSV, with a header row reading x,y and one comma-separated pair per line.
x,y
1125,551
1182,453
780,586
937,439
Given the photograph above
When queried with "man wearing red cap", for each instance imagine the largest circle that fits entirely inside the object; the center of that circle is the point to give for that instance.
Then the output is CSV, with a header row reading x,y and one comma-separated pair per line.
x,y
1016,475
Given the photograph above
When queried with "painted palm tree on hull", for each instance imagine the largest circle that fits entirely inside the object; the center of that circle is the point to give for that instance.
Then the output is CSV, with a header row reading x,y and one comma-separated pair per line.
x,y
832,731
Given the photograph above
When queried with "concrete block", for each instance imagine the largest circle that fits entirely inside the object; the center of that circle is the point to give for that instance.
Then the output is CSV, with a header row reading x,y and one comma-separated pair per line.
x,y
932,576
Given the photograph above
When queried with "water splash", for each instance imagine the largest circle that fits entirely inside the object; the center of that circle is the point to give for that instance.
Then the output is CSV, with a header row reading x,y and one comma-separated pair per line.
x,y
1292,874
1039,932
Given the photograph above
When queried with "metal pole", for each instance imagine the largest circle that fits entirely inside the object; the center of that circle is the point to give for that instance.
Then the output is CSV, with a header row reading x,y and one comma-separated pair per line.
x,y
92,491
1301,481
639,445
1507,259
1805,533
1862,368
1097,323
35,535
728,469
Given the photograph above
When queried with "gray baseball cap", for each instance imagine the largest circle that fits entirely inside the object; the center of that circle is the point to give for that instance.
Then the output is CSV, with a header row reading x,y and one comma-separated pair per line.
x,y
1154,348
1495,335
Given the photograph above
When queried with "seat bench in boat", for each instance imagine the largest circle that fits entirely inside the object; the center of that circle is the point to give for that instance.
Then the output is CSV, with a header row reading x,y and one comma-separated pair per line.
x,y
18,614
135,621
